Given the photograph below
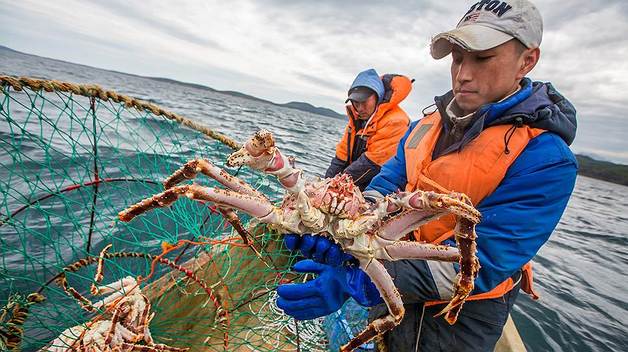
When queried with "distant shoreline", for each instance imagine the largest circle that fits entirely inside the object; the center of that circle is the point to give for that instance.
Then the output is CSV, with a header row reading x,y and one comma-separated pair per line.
x,y
295,105
602,170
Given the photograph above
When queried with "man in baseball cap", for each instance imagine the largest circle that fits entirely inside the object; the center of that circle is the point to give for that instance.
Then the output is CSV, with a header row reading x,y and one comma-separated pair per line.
x,y
501,139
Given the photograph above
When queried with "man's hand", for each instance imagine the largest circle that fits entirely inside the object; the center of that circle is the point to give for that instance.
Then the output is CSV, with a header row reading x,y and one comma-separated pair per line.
x,y
319,248
326,293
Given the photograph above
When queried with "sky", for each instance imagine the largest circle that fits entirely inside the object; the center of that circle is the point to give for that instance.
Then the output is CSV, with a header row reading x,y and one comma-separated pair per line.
x,y
297,50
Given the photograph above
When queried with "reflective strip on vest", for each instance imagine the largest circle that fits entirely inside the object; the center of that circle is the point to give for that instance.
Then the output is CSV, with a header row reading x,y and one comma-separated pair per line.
x,y
476,170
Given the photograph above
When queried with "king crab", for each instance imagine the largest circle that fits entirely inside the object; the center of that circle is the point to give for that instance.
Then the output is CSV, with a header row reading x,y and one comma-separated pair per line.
x,y
336,208
127,327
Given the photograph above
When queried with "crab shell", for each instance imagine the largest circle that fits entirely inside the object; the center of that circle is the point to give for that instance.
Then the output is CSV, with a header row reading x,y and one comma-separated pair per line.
x,y
338,196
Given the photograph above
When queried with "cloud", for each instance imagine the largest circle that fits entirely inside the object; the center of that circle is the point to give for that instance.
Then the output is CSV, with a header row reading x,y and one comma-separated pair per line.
x,y
139,14
285,50
320,81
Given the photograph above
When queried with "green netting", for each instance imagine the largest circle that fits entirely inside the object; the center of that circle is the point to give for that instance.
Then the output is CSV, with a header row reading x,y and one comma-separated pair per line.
x,y
68,164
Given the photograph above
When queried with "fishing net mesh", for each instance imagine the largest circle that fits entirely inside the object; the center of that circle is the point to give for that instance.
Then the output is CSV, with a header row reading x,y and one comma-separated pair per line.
x,y
70,160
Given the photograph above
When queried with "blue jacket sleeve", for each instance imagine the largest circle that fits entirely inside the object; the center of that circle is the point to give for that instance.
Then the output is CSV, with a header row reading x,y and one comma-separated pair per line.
x,y
392,176
518,218
521,214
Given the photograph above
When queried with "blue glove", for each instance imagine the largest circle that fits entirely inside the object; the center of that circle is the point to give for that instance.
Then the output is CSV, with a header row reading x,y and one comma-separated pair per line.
x,y
319,248
326,293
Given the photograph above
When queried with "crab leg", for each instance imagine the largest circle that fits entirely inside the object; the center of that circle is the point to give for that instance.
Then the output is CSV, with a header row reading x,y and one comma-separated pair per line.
x,y
257,207
85,303
117,289
385,285
469,267
124,284
112,329
402,224
12,335
464,233
423,208
66,340
311,217
147,335
416,250
260,153
99,270
152,348
139,321
190,169
124,333
455,203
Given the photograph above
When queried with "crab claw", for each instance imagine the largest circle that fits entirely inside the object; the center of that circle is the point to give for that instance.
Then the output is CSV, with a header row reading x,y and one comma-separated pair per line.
x,y
258,152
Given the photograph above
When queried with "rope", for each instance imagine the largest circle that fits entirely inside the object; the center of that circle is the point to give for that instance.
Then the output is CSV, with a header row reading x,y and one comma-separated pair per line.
x,y
92,90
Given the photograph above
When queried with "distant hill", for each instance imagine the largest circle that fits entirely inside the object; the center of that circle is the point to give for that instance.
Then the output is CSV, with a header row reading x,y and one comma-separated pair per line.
x,y
297,105
603,170
313,109
291,105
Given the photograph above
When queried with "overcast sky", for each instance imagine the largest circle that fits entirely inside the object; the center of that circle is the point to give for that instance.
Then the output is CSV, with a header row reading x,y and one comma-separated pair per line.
x,y
285,50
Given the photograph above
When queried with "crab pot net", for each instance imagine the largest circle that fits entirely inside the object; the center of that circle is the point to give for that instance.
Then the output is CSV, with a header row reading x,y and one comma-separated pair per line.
x,y
69,162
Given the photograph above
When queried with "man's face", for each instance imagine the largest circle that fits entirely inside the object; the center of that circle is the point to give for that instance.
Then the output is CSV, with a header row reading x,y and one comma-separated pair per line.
x,y
366,108
488,76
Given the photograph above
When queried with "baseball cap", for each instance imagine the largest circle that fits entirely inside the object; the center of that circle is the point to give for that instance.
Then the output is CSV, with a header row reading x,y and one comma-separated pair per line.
x,y
490,23
359,94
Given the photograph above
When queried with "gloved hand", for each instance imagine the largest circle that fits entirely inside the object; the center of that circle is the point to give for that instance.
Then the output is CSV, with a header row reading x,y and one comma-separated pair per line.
x,y
319,248
326,293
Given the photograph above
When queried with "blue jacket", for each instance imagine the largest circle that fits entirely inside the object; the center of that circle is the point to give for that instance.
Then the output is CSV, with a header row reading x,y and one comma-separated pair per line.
x,y
520,215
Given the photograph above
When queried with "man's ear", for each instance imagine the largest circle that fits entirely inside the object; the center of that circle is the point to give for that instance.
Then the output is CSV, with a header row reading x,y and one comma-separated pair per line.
x,y
529,59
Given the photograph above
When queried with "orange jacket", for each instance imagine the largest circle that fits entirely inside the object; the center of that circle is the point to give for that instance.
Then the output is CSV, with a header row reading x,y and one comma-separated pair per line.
x,y
476,170
385,129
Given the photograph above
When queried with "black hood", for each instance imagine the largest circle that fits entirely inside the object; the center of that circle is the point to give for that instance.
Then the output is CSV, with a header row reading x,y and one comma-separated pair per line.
x,y
547,109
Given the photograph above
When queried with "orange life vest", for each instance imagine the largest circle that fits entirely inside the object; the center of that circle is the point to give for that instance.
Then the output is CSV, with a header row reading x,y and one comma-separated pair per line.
x,y
386,128
476,171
